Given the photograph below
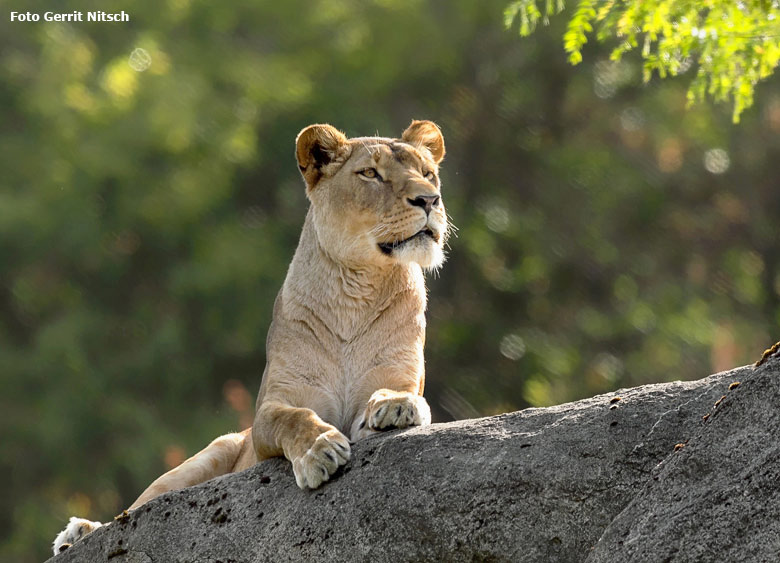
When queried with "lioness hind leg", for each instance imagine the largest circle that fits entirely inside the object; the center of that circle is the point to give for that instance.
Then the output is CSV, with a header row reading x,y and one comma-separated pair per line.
x,y
232,452
76,529
387,409
218,458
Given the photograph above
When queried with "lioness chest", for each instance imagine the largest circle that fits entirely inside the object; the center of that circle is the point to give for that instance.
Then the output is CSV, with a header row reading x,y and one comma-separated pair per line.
x,y
337,354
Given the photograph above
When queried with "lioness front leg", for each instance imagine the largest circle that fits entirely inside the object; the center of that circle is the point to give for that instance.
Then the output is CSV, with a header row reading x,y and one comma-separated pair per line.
x,y
315,448
388,409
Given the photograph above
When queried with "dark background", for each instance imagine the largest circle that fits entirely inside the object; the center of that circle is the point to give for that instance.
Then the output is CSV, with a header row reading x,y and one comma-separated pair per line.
x,y
150,203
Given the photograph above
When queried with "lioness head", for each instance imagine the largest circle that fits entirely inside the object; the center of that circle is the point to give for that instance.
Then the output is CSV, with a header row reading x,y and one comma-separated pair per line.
x,y
375,200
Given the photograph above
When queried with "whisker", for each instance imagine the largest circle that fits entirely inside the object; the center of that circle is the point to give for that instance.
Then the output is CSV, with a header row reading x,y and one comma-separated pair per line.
x,y
380,230
367,149
450,225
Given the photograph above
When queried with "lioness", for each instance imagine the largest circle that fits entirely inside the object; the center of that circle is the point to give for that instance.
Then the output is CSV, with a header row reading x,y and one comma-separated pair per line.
x,y
345,346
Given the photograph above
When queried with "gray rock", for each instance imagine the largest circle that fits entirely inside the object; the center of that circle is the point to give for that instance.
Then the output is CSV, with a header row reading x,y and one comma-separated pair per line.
x,y
717,498
536,485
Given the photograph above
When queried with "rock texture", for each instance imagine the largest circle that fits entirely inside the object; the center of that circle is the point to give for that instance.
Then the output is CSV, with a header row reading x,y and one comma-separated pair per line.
x,y
718,497
603,479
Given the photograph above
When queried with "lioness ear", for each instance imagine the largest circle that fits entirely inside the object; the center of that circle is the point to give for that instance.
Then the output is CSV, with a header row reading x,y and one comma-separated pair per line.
x,y
425,134
317,146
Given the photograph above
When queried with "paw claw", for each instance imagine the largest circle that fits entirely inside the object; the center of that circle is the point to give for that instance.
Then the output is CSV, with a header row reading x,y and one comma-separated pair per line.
x,y
396,411
329,451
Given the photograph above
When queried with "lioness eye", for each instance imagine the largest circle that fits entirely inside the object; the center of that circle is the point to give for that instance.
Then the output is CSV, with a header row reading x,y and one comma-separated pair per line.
x,y
430,175
370,173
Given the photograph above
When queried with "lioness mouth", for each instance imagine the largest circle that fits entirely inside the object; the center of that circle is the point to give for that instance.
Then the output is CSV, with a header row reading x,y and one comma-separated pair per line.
x,y
388,247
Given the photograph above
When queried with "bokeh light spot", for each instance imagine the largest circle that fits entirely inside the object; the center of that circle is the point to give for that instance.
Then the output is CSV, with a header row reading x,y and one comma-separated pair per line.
x,y
140,59
512,347
632,119
716,161
497,218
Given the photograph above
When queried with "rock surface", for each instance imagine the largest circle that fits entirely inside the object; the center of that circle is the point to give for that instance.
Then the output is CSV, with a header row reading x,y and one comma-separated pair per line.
x,y
596,480
718,498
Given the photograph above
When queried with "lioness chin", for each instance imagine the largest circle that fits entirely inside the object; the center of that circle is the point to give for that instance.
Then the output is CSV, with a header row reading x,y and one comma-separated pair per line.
x,y
345,346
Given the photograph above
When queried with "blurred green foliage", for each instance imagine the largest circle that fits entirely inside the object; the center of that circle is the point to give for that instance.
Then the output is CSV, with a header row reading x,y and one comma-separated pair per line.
x,y
150,203
734,45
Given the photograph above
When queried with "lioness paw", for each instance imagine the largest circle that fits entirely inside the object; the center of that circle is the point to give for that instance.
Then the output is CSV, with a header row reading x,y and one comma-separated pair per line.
x,y
395,410
76,529
329,451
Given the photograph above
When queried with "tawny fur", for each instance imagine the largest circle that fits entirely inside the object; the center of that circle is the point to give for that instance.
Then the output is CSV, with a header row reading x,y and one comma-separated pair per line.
x,y
345,346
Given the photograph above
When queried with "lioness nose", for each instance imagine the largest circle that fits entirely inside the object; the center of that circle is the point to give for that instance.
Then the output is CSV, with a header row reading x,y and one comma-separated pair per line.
x,y
427,202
